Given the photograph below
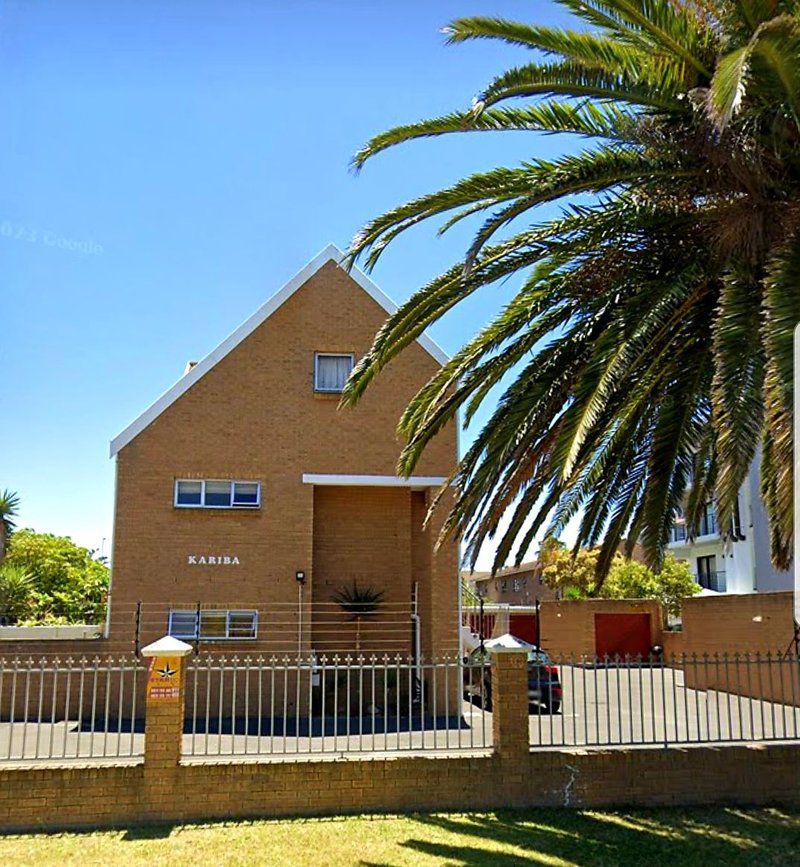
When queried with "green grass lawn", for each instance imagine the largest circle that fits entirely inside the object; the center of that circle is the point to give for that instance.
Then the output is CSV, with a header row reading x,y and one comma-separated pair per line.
x,y
677,838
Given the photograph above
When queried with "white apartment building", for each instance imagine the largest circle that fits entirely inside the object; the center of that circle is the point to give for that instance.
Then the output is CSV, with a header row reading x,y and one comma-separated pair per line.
x,y
741,563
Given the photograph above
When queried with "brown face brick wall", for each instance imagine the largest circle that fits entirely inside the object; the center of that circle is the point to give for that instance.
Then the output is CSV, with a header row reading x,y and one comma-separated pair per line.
x,y
568,627
440,628
363,536
255,416
752,623
102,796
717,629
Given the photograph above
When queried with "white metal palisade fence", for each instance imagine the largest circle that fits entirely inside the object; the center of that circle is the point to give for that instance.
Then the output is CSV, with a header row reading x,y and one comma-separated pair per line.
x,y
336,705
283,707
67,707
679,700
79,708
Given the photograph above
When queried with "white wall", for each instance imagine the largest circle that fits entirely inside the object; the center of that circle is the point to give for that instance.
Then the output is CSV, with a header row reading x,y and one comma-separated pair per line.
x,y
768,579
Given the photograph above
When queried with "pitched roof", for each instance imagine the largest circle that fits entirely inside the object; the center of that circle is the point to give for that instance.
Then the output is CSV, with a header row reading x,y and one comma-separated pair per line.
x,y
330,254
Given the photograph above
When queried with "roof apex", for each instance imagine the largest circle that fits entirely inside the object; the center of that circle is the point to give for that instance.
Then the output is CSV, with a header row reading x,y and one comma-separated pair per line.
x,y
331,253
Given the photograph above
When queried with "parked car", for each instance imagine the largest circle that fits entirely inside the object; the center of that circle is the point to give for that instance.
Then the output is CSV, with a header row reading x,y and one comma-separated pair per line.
x,y
544,681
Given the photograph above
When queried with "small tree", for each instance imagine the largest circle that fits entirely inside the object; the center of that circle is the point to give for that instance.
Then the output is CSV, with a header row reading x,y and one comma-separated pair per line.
x,y
572,574
359,602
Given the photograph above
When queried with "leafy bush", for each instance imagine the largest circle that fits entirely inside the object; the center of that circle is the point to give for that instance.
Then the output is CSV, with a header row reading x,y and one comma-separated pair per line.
x,y
630,580
574,576
68,584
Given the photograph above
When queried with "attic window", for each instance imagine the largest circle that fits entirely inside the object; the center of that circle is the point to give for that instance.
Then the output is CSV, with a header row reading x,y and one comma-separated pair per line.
x,y
331,371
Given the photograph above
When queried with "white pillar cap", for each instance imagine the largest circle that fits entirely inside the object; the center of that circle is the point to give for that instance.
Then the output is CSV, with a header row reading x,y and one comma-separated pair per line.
x,y
499,650
508,643
167,646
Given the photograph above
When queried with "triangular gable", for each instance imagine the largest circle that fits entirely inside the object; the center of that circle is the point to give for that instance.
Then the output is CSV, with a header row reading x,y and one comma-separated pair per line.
x,y
330,254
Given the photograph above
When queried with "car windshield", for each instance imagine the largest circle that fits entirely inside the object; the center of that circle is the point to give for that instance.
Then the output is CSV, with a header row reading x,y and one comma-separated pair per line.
x,y
538,656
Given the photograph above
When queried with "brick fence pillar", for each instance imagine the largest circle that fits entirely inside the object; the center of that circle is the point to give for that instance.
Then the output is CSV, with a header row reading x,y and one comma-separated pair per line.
x,y
510,703
164,704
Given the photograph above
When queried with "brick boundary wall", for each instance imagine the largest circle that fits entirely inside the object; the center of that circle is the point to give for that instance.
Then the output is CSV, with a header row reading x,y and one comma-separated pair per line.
x,y
162,788
568,626
102,796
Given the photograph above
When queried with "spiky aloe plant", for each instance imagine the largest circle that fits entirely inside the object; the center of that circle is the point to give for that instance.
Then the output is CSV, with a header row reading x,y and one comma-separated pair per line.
x,y
359,602
649,345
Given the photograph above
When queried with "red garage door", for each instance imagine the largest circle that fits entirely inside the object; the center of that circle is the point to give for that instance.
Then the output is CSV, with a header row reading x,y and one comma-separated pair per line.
x,y
523,626
622,635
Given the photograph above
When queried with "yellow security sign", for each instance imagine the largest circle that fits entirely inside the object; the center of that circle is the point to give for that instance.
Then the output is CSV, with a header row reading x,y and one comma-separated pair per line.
x,y
164,680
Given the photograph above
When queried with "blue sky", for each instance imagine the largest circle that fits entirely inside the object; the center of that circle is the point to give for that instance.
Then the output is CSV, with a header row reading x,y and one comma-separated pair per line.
x,y
166,166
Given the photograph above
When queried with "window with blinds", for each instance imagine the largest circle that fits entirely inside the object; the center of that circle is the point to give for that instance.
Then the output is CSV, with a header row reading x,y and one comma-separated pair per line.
x,y
331,371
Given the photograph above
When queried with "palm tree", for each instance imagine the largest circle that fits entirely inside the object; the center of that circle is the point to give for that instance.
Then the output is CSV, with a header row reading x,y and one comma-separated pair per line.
x,y
9,506
649,345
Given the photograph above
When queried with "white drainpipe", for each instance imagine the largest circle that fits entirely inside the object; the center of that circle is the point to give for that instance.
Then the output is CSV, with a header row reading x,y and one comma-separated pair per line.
x,y
460,618
417,644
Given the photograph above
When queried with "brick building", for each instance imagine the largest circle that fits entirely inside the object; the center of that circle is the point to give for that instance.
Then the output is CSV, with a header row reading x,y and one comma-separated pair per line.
x,y
246,499
513,585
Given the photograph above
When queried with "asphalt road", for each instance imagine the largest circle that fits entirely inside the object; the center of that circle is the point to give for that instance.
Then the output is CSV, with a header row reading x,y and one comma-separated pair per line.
x,y
603,707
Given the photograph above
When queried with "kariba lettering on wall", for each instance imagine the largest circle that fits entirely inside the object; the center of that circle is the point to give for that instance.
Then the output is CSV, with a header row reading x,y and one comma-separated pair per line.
x,y
212,560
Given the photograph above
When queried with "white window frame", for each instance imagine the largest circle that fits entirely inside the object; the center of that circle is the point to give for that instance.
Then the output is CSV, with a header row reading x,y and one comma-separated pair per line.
x,y
202,503
317,356
226,611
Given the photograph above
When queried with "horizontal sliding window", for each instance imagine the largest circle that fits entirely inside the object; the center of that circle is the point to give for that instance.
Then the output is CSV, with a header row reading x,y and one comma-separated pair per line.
x,y
246,493
189,493
217,494
213,624
214,494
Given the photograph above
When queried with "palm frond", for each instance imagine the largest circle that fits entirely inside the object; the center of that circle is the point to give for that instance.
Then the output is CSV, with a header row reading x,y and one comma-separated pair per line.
x,y
645,361
577,81
585,119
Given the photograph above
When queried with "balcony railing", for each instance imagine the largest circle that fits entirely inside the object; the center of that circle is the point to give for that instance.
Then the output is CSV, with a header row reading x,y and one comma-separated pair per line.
x,y
708,527
713,581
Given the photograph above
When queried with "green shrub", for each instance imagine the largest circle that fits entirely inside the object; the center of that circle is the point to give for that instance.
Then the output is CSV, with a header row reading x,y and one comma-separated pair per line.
x,y
68,584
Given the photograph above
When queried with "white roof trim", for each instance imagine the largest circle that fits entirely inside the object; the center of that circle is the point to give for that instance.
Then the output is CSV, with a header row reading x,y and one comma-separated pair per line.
x,y
374,481
330,253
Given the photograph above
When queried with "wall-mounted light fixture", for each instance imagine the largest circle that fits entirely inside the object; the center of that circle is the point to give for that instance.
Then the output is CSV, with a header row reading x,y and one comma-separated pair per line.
x,y
300,577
